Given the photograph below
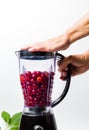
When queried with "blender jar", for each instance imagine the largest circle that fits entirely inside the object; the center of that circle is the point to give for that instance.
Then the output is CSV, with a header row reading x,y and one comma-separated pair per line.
x,y
36,77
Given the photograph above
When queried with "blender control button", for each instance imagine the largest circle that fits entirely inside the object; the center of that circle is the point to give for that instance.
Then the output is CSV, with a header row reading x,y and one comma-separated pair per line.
x,y
38,127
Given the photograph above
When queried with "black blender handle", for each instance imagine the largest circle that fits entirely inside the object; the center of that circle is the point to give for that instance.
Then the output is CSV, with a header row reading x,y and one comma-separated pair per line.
x,y
65,91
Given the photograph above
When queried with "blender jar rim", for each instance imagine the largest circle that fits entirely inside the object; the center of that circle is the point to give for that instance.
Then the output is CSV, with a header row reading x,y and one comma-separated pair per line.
x,y
25,54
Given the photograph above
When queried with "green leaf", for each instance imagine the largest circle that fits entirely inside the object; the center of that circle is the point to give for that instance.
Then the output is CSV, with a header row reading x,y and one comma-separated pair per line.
x,y
14,128
6,116
15,120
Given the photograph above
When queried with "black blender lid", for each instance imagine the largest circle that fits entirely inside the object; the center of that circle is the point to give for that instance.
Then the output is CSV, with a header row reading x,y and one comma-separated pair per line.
x,y
39,53
25,54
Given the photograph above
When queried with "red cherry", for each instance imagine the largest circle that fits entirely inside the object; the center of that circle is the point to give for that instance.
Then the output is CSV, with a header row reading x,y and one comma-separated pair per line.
x,y
41,103
28,73
46,73
52,74
29,88
33,92
25,96
38,95
28,84
33,76
34,86
39,79
32,81
23,85
22,78
43,87
38,73
30,104
30,98
39,91
35,100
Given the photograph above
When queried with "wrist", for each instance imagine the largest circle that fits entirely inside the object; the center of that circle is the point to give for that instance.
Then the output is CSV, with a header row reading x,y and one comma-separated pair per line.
x,y
77,32
73,35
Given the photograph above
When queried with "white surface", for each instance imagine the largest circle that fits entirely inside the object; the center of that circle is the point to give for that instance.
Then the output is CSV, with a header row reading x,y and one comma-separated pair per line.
x,y
26,21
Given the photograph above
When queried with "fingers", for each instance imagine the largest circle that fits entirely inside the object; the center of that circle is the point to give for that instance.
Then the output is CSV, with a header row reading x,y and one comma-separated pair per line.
x,y
63,75
33,47
36,48
65,62
28,46
63,67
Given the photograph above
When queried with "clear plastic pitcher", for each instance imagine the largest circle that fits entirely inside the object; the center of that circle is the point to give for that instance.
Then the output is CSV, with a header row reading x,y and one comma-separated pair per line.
x,y
37,70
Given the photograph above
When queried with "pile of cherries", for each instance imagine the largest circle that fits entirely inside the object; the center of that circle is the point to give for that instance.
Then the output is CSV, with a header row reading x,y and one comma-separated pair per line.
x,y
37,88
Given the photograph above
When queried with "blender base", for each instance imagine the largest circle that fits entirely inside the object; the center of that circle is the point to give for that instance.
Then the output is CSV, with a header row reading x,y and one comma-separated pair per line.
x,y
44,122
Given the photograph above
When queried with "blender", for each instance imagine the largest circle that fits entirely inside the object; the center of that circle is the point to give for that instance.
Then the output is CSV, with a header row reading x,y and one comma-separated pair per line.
x,y
37,71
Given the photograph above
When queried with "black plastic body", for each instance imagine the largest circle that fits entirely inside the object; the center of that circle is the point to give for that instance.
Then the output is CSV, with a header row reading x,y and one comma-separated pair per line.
x,y
46,122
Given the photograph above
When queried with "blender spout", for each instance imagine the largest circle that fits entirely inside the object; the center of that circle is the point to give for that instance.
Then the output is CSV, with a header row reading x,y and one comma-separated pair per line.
x,y
17,53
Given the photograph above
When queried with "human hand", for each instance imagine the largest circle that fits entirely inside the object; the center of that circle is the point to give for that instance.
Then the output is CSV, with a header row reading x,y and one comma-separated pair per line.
x,y
79,64
55,44
62,42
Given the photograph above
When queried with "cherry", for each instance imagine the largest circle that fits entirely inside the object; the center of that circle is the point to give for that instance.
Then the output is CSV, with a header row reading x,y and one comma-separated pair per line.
x,y
35,100
28,83
30,98
38,96
23,85
43,87
33,92
39,91
33,76
32,81
38,73
29,88
39,79
25,96
28,73
22,78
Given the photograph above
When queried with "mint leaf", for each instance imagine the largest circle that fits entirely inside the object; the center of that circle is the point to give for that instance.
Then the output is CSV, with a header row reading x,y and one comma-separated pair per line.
x,y
6,116
14,128
15,119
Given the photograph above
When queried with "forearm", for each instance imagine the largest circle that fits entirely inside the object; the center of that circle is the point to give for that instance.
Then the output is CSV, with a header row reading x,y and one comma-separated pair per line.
x,y
79,30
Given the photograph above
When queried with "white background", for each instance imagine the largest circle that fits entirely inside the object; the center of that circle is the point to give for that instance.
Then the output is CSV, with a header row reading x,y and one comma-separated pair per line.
x,y
26,21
